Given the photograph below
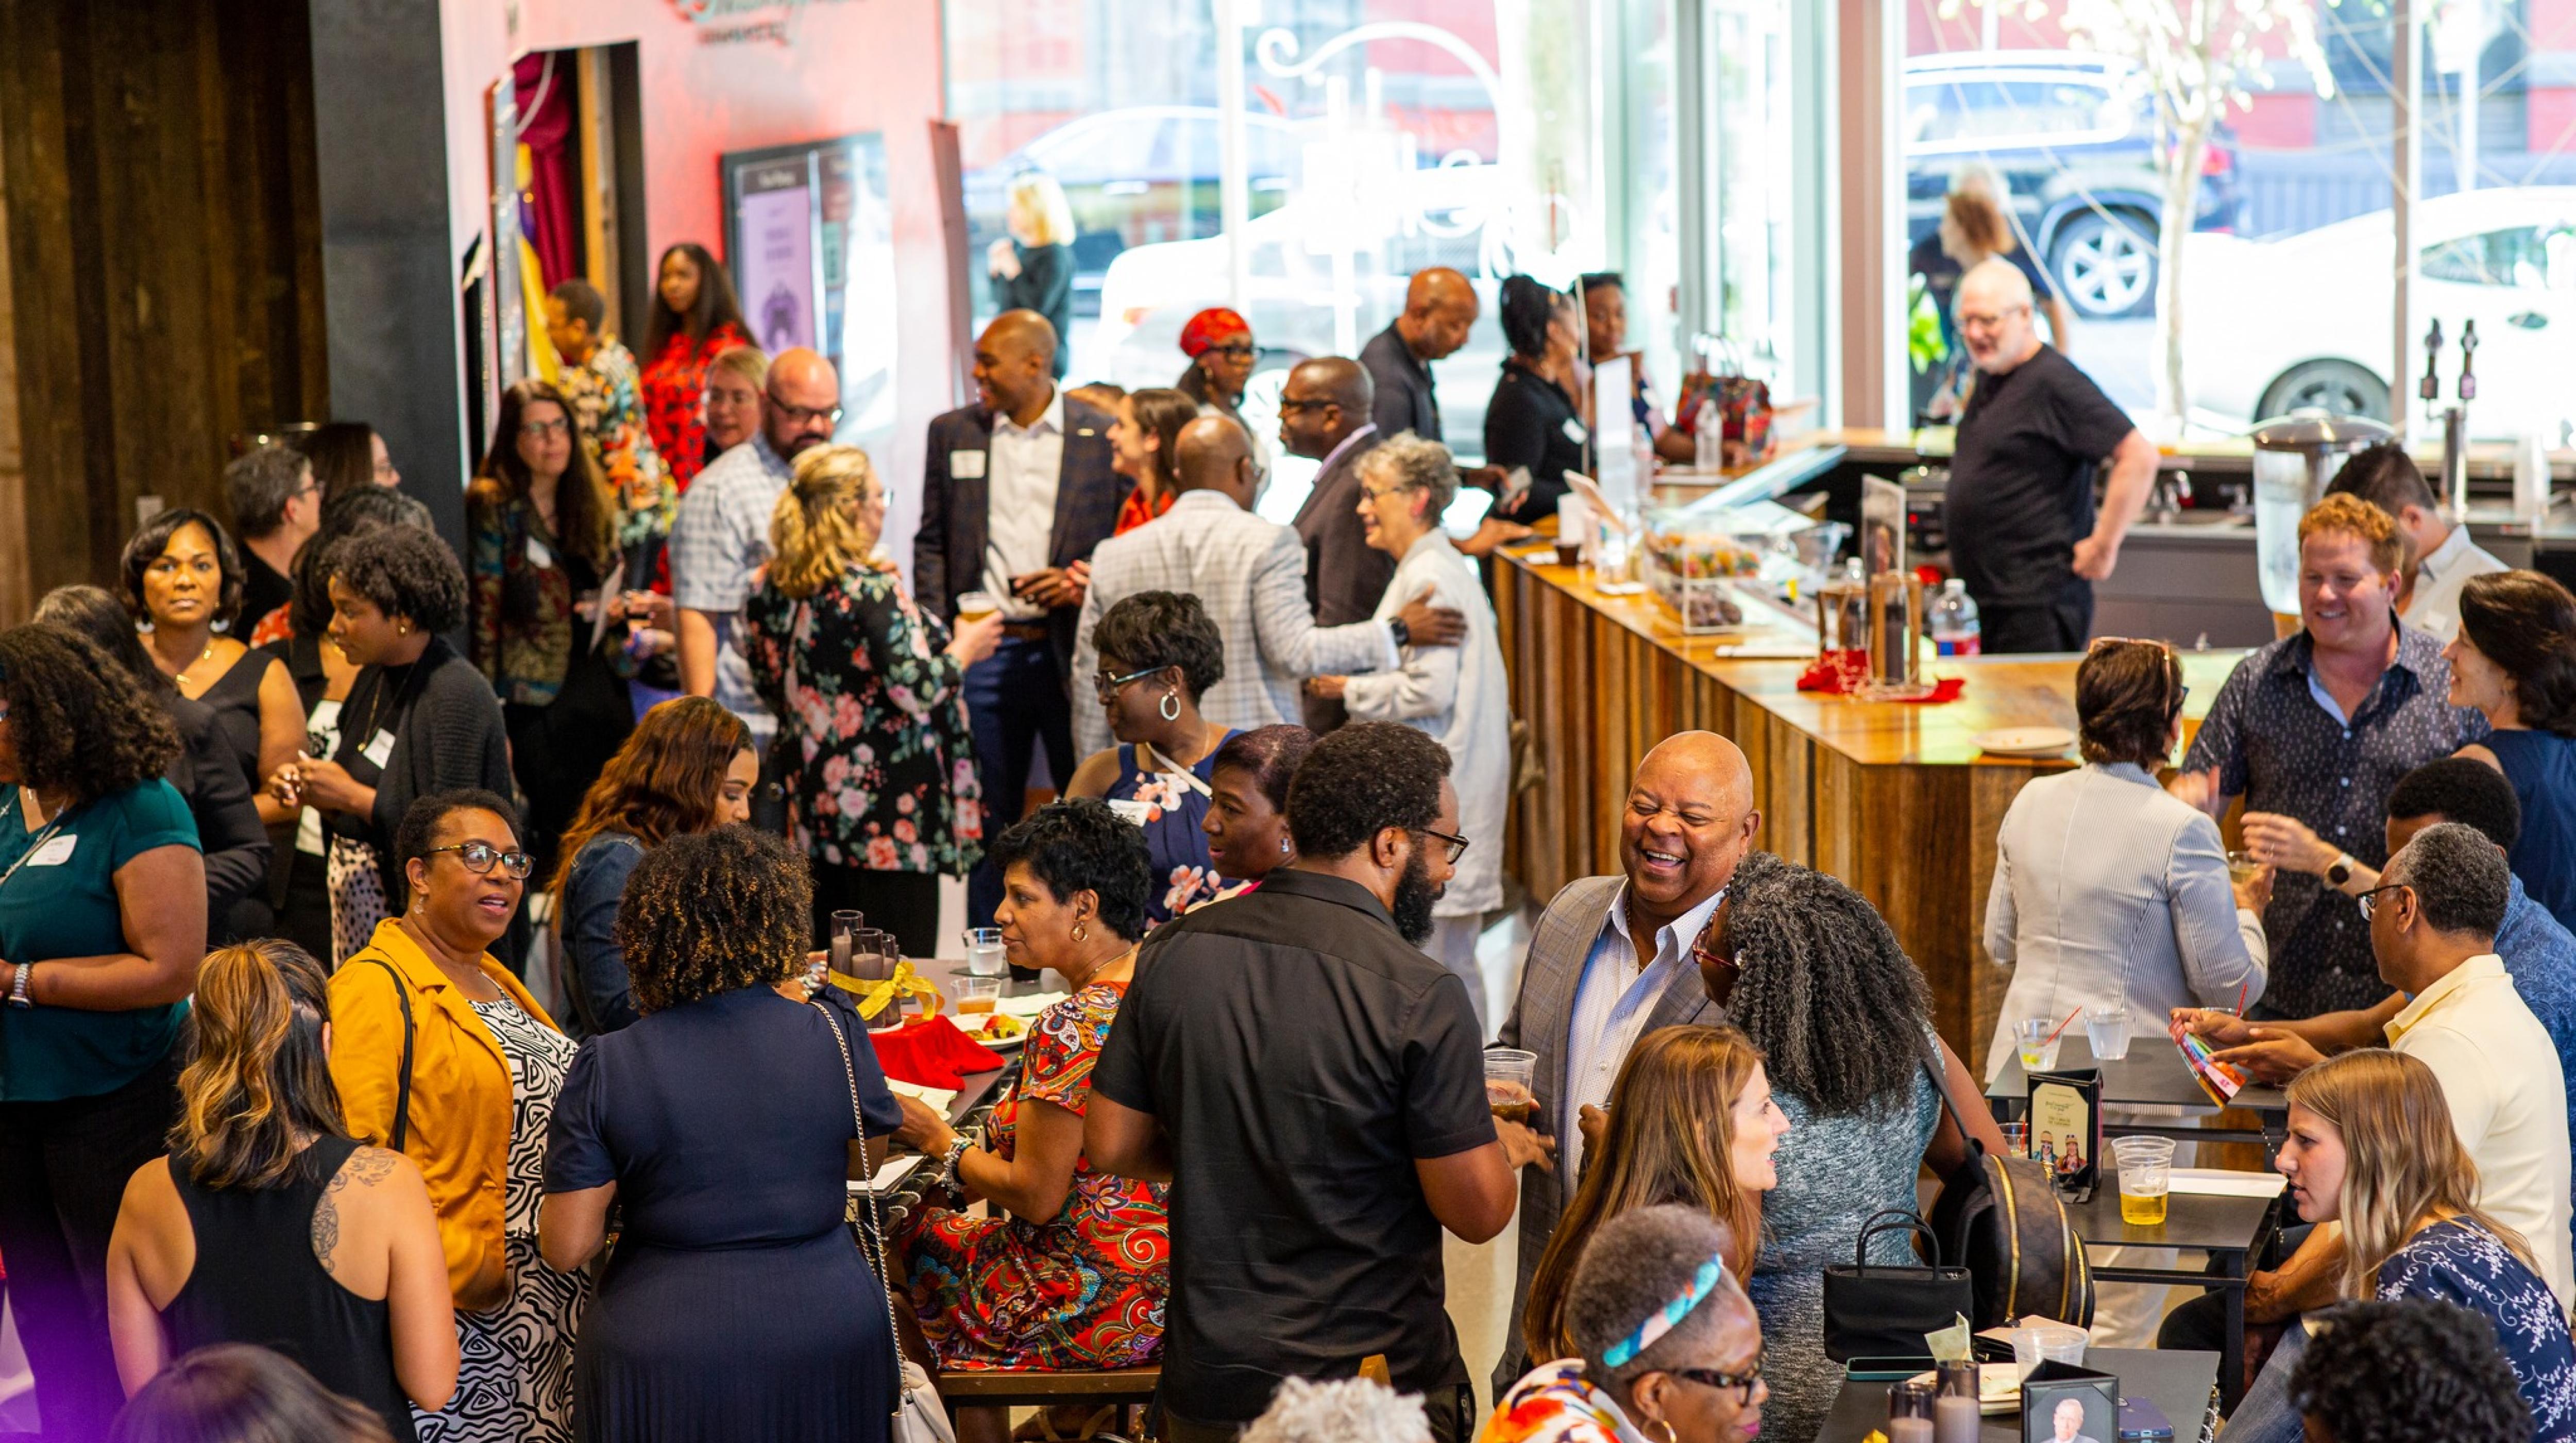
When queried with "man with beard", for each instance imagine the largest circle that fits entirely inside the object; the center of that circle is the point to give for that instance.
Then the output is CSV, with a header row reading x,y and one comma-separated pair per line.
x,y
1311,1084
1610,960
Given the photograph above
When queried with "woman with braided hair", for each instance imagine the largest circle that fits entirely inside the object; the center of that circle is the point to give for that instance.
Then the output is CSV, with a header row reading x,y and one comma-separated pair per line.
x,y
1808,970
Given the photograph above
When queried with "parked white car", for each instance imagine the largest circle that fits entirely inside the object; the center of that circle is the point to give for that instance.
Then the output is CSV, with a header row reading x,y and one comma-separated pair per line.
x,y
2304,321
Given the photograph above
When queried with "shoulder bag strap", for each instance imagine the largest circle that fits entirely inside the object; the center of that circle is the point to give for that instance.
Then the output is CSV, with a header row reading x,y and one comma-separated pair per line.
x,y
876,1224
402,1089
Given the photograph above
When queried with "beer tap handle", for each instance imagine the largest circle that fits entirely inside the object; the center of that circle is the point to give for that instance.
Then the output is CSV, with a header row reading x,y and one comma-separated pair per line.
x,y
2430,388
2468,361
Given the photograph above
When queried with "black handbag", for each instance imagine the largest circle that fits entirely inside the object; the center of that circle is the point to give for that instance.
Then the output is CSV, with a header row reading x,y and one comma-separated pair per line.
x,y
1880,1310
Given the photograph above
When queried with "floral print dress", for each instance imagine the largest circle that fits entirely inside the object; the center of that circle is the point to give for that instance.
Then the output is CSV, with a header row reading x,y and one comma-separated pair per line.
x,y
1085,1289
1554,1403
675,381
883,769
1170,805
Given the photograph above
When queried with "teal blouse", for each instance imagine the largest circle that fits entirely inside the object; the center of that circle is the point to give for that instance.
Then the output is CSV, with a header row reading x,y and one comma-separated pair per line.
x,y
62,903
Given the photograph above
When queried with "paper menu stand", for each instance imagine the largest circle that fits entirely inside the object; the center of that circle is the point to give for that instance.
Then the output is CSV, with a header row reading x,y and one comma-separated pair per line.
x,y
2220,1080
2066,1126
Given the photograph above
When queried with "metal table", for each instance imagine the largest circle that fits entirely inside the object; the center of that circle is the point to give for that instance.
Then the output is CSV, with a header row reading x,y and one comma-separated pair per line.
x,y
982,1089
2232,1230
2152,1075
2177,1382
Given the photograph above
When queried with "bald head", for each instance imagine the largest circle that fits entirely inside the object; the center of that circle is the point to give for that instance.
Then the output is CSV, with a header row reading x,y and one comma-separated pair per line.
x,y
1690,819
1993,310
1323,401
798,401
1214,454
1439,310
1015,365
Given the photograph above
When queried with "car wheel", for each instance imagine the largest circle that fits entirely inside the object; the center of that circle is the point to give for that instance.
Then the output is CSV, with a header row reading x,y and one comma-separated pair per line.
x,y
2105,265
2343,387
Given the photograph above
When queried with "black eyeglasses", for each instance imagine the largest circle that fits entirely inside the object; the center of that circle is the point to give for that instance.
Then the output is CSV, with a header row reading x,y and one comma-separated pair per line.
x,y
478,858
1457,845
1239,350
799,415
1105,686
1742,1383
2369,901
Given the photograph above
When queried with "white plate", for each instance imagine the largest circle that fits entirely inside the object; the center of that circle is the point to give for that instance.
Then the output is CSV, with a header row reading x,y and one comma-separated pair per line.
x,y
2025,741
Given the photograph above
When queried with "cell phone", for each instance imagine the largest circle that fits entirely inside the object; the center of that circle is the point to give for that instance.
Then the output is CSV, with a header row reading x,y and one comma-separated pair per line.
x,y
2141,1419
1886,1370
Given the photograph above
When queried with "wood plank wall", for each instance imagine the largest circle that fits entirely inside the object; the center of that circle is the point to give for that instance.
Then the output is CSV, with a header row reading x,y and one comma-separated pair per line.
x,y
165,259
1918,841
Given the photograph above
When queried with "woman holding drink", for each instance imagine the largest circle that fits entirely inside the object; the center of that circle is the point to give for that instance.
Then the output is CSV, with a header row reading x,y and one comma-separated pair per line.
x,y
1071,1266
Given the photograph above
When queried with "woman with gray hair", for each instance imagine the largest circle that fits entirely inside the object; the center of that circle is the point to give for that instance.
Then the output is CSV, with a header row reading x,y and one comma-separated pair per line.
x,y
1668,1347
1457,694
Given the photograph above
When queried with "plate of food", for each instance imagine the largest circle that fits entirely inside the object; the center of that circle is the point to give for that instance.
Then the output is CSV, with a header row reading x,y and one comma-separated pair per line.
x,y
1000,1031
2025,741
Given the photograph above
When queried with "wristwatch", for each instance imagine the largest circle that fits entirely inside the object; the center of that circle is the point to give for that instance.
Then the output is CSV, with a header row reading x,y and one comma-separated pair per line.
x,y
1402,633
18,986
2340,872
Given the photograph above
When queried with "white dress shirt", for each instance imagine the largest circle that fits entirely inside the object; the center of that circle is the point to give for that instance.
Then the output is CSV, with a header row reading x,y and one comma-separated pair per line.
x,y
1611,1005
2434,604
2500,1074
1025,464
1250,575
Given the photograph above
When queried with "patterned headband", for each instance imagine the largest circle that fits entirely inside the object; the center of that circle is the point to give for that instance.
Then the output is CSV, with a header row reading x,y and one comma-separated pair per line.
x,y
1668,1317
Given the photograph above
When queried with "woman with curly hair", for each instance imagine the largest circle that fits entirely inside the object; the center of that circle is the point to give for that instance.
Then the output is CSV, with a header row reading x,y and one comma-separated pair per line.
x,y
419,719
1159,653
723,1122
268,1223
2398,1372
688,767
441,1055
1810,972
102,923
1070,1266
870,694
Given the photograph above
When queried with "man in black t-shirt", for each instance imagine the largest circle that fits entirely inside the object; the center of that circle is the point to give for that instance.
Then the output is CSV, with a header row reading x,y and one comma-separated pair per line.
x,y
2023,534
1312,1086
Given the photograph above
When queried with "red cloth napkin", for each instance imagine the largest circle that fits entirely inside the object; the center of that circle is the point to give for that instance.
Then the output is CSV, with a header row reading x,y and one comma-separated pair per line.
x,y
931,1052
1844,672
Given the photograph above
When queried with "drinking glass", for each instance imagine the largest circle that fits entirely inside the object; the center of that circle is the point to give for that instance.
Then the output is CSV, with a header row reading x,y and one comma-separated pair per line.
x,y
2038,1040
976,996
1508,1071
2241,867
2106,1026
974,606
845,931
2016,1138
2146,1176
984,951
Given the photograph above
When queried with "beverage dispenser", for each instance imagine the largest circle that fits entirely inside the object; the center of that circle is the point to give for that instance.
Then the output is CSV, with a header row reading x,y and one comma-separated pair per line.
x,y
2295,456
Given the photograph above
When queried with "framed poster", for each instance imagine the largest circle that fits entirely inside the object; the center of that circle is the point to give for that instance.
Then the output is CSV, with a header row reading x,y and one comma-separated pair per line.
x,y
809,235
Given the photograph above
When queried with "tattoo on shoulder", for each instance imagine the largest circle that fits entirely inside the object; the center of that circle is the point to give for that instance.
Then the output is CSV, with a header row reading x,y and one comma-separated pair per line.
x,y
366,1166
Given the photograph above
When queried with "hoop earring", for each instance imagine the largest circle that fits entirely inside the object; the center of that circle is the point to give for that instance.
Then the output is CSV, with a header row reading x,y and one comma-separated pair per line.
x,y
221,626
1665,1424
1171,706
1081,931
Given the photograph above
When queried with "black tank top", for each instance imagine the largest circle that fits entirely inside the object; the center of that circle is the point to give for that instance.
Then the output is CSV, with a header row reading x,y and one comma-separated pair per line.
x,y
257,1281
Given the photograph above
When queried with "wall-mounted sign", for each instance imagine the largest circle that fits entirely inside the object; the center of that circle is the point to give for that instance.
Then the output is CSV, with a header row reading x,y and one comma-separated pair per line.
x,y
810,236
734,22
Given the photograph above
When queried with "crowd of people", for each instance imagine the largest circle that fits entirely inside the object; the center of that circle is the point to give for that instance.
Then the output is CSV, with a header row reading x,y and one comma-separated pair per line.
x,y
272,1071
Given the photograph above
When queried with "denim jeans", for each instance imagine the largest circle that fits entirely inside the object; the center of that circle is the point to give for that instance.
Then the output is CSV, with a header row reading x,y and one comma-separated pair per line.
x,y
1015,698
63,1167
2265,1414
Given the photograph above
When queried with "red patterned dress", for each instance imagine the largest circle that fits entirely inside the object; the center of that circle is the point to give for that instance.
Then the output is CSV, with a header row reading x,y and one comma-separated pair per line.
x,y
1085,1290
675,381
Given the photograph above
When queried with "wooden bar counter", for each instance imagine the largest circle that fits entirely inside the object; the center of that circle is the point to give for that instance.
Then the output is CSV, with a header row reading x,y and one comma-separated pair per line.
x,y
1894,798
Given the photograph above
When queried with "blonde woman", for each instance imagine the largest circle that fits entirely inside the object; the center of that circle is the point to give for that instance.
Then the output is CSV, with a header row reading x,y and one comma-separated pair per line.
x,y
1032,269
2371,1148
881,790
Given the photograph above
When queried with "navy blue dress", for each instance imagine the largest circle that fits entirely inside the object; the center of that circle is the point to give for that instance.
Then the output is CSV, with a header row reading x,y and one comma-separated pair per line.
x,y
735,1304
1170,809
2542,768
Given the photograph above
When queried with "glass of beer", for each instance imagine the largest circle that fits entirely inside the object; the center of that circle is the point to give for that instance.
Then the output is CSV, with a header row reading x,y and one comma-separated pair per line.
x,y
2146,1176
2241,867
974,606
1508,1071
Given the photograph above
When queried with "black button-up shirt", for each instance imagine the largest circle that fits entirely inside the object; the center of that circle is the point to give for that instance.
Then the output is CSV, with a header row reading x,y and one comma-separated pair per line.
x,y
2275,743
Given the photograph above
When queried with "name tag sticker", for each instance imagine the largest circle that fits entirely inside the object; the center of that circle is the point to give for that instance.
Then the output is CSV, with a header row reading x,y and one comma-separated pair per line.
x,y
1129,808
53,853
538,554
966,465
1574,431
379,748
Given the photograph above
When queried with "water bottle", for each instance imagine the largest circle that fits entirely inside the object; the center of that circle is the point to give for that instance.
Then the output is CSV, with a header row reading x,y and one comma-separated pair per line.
x,y
1954,620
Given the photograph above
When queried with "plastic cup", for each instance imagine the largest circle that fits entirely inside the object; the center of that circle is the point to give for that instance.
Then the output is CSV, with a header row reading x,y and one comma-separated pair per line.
x,y
2241,867
2106,1026
2037,1038
974,606
2048,1343
976,996
1508,1072
2016,1138
984,951
2146,1177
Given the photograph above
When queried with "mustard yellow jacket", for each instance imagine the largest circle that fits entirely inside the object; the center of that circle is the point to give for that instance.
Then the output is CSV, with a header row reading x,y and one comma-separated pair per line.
x,y
460,1094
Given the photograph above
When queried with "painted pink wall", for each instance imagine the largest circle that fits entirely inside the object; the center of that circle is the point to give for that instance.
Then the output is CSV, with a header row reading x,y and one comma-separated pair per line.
x,y
847,66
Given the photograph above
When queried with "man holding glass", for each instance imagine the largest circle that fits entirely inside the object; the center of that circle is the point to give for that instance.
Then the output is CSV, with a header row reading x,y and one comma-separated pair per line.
x,y
2024,534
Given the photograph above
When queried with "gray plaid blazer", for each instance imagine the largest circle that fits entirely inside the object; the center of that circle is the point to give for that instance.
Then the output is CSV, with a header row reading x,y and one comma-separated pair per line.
x,y
1559,948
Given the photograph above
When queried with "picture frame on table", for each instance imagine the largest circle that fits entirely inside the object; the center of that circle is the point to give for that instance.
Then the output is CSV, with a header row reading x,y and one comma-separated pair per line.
x,y
2063,1404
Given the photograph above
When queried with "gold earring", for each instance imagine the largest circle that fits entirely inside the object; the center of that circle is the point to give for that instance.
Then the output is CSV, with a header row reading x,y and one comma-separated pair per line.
x,y
402,628
1666,1425
1081,930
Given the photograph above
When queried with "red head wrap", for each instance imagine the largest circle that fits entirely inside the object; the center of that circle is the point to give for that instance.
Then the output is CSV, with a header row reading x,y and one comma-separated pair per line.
x,y
1216,326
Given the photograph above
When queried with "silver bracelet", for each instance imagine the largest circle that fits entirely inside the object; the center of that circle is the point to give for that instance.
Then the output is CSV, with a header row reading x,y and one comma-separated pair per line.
x,y
948,1174
18,994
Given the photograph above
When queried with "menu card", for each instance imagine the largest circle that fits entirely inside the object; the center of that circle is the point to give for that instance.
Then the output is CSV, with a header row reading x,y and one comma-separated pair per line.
x,y
2220,1080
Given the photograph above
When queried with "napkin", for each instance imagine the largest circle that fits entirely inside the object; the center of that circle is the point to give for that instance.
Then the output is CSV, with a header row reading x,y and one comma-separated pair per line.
x,y
936,1099
1030,1006
930,1052
2226,1182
